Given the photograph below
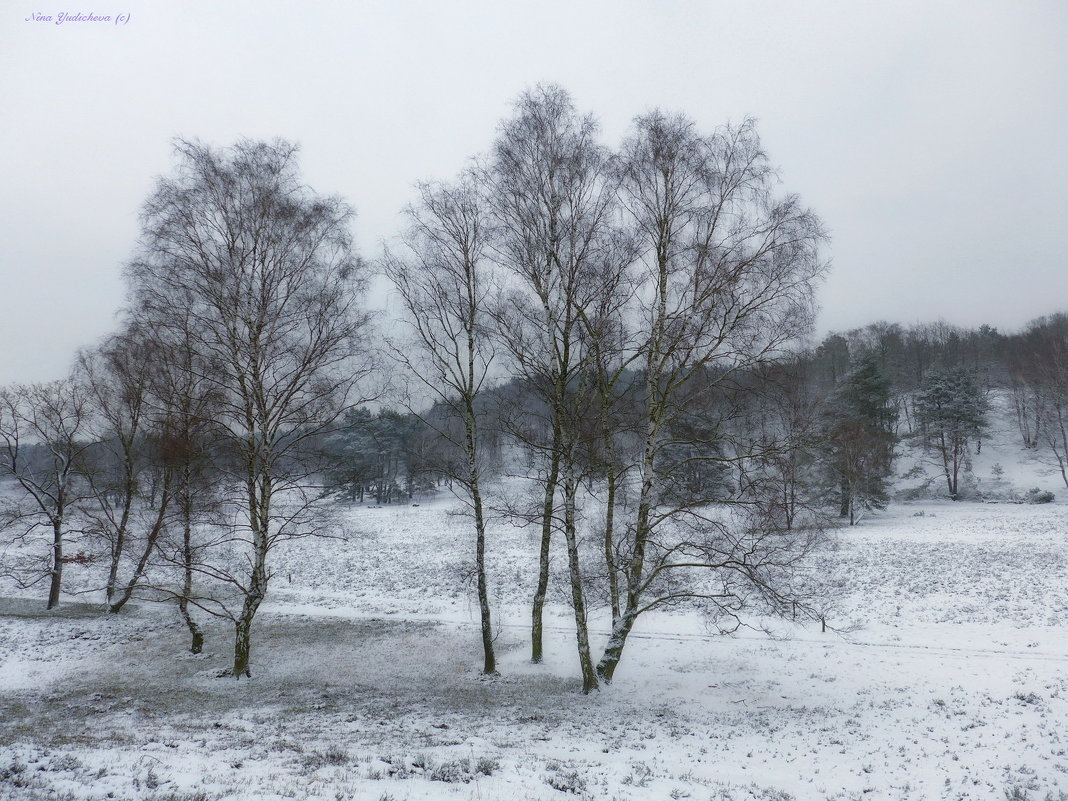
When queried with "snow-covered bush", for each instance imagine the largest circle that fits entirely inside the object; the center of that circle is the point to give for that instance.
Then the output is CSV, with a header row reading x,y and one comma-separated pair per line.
x,y
1035,495
566,781
455,771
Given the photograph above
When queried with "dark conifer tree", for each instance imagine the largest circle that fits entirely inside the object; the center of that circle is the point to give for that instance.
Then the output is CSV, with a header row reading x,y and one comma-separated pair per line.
x,y
951,409
858,439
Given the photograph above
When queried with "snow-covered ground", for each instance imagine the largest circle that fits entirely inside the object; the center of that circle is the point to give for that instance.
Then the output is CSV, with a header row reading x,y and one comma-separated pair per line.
x,y
947,679
366,683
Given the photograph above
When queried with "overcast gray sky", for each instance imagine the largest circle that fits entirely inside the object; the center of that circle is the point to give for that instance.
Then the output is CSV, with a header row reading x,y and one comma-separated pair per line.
x,y
931,137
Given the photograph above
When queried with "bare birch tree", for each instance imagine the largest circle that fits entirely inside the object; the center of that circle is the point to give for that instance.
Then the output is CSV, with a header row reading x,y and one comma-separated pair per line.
x,y
551,207
445,285
42,429
726,284
185,402
1053,372
1039,372
258,271
117,375
605,331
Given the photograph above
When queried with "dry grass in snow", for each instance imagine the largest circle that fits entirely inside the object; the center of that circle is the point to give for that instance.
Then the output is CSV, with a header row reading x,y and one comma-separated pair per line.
x,y
951,684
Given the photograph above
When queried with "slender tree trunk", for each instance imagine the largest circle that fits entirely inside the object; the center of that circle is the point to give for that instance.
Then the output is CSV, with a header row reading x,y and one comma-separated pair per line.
x,y
197,642
259,490
610,545
655,410
243,643
489,663
150,544
57,561
611,480
129,493
790,499
548,506
946,468
589,675
243,625
113,572
1019,402
606,667
906,415
613,651
1060,443
956,453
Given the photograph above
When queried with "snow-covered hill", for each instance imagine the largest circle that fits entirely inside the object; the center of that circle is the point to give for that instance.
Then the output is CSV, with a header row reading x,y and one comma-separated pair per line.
x,y
998,467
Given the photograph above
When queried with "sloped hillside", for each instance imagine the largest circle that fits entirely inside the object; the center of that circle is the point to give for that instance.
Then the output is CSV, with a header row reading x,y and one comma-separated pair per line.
x,y
998,467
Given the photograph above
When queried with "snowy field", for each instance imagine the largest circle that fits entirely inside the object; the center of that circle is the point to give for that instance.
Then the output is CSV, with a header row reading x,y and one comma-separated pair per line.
x,y
952,683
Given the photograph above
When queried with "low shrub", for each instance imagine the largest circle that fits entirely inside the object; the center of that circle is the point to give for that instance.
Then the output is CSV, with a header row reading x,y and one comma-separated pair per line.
x,y
566,781
455,771
1035,495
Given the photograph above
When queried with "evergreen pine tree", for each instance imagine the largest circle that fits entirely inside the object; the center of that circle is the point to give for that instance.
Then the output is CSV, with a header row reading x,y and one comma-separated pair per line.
x,y
858,439
951,410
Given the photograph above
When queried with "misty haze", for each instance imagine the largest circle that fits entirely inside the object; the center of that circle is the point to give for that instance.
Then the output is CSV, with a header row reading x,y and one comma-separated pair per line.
x,y
534,401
